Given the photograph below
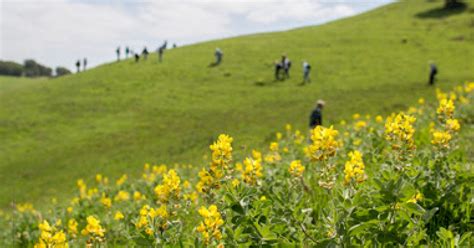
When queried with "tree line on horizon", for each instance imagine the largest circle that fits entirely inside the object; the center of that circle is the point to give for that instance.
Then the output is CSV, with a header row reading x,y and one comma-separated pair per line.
x,y
30,68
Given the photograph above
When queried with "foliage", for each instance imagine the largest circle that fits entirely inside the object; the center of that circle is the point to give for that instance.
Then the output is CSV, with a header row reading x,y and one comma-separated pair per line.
x,y
376,184
34,69
61,71
10,68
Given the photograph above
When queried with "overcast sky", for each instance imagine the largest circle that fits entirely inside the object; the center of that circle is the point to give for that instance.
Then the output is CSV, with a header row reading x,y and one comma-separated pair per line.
x,y
58,32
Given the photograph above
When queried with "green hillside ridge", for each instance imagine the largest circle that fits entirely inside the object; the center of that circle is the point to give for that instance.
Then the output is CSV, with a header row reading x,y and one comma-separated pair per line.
x,y
116,117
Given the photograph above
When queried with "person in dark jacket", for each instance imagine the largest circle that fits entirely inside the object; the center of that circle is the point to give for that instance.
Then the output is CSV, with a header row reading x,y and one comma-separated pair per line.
x,y
433,72
78,65
137,57
145,53
278,68
316,117
127,51
117,51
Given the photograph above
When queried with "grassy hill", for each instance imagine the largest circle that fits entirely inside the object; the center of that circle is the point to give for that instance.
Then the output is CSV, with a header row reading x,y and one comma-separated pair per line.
x,y
116,117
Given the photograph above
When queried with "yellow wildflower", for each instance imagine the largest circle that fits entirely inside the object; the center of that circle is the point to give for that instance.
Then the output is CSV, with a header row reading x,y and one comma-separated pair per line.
x,y
324,143
252,171
122,180
441,138
72,226
210,227
93,228
354,168
446,108
452,125
379,119
296,169
118,215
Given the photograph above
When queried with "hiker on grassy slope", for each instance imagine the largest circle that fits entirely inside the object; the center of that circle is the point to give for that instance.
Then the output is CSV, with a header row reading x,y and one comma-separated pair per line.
x,y
278,68
316,117
127,51
118,53
286,63
78,65
433,72
145,53
306,70
218,54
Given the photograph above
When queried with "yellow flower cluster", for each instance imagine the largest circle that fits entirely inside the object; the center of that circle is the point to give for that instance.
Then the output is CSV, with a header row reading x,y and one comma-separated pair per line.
x,y
221,158
354,168
274,155
170,186
101,179
445,111
152,218
106,201
118,215
252,171
359,125
221,152
122,196
50,237
296,169
452,125
121,180
150,175
399,130
25,207
441,138
210,227
72,227
93,229
324,143
446,108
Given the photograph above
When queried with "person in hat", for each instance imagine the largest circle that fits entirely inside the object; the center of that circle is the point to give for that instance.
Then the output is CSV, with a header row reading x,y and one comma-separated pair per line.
x,y
316,117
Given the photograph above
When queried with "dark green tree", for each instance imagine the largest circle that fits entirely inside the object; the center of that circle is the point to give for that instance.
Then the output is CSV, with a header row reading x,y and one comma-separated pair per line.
x,y
10,68
61,71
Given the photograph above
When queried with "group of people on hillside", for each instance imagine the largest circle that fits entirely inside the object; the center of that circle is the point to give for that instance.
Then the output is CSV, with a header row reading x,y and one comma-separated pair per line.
x,y
84,65
283,66
144,54
282,72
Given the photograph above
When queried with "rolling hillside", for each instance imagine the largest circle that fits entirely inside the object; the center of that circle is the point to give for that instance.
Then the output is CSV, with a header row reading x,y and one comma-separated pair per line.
x,y
114,118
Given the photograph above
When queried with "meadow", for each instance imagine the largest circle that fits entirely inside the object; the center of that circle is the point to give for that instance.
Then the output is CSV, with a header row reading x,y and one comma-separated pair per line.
x,y
116,117
397,181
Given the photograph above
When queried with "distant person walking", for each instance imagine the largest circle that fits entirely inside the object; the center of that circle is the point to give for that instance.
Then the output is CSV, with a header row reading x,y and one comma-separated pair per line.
x,y
278,68
285,61
174,45
218,54
145,53
78,65
316,117
306,70
433,72
161,50
127,51
118,53
137,57
84,64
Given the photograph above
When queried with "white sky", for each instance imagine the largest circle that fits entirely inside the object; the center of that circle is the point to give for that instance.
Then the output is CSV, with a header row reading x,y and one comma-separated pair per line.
x,y
58,32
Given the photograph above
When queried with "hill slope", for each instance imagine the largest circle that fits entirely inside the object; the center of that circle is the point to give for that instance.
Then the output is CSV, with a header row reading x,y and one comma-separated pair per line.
x,y
116,117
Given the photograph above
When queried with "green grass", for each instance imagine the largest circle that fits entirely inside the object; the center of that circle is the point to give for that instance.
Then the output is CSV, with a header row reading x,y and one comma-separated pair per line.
x,y
114,118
